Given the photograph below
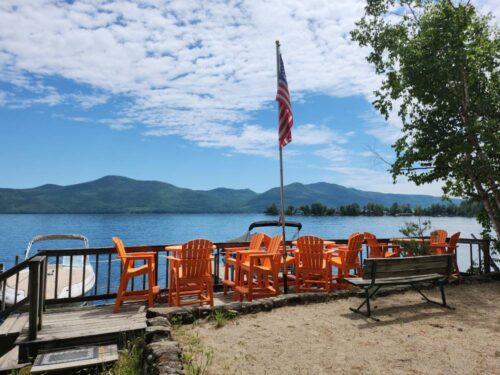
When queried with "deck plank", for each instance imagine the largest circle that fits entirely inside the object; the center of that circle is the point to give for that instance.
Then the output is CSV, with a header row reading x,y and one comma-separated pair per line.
x,y
80,324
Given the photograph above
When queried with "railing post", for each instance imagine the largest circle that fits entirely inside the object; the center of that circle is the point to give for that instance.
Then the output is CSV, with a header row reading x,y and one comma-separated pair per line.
x,y
487,258
34,293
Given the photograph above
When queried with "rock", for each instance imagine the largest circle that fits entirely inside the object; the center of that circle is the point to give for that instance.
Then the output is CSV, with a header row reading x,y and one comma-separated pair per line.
x,y
158,321
201,312
266,304
291,299
161,311
181,316
156,333
279,301
251,307
236,306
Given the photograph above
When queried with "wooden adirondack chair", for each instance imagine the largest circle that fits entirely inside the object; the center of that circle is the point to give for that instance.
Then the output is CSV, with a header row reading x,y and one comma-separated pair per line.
x,y
257,272
437,240
348,258
129,271
378,249
191,274
256,243
312,265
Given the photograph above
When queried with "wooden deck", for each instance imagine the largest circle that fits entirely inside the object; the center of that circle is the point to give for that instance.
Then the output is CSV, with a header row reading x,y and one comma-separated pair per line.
x,y
87,325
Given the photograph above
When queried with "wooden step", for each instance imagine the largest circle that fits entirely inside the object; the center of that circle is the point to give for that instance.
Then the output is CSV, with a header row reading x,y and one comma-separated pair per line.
x,y
73,358
14,324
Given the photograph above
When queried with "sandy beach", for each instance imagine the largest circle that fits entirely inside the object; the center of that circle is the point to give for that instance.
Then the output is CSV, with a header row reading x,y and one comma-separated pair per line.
x,y
412,337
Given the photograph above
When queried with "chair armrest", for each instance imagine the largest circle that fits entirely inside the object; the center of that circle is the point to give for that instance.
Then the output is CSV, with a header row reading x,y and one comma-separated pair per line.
x,y
241,254
141,255
444,244
233,250
172,258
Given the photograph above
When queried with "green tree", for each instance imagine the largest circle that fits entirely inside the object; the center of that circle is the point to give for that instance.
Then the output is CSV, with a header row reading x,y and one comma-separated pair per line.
x,y
394,210
440,66
290,211
272,210
318,209
306,211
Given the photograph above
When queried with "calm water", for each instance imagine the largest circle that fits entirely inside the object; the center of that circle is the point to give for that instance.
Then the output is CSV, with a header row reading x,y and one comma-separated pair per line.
x,y
17,230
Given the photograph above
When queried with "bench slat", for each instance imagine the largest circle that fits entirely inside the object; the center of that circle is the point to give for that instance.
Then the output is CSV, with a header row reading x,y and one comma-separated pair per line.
x,y
410,266
395,280
407,265
407,273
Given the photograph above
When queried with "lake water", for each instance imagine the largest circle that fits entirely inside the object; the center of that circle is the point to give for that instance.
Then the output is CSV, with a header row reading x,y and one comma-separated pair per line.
x,y
140,229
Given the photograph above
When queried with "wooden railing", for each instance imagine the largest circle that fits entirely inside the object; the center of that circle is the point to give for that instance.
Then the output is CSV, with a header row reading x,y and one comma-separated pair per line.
x,y
107,270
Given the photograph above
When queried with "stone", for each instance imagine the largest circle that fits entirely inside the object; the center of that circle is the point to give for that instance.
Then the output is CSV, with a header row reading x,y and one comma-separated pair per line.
x,y
236,306
251,307
291,299
158,321
181,316
161,311
202,312
266,304
156,333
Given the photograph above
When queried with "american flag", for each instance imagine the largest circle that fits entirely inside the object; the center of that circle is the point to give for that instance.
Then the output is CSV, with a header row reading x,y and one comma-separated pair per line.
x,y
285,106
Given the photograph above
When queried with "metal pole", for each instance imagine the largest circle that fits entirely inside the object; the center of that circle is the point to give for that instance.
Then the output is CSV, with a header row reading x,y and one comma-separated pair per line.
x,y
282,198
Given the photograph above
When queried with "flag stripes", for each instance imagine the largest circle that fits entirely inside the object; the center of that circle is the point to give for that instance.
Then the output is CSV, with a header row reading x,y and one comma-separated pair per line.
x,y
285,106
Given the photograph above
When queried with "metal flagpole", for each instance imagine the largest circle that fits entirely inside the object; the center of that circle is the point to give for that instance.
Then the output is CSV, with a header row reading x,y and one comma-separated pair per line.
x,y
282,198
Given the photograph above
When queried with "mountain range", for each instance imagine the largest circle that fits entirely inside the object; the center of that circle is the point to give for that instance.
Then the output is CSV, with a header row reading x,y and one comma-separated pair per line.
x,y
116,194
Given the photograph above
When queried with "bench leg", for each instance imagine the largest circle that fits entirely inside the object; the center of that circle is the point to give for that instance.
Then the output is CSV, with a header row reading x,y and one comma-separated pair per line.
x,y
367,303
443,297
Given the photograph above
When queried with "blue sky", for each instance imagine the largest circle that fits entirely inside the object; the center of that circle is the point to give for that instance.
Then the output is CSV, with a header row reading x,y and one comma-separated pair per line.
x,y
184,93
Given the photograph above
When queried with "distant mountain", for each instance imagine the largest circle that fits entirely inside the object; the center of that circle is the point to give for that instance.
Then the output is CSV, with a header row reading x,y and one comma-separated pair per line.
x,y
333,195
115,194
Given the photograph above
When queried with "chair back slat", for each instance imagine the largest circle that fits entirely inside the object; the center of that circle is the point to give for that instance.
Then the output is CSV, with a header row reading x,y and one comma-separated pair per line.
x,y
120,249
438,236
256,241
311,252
196,258
452,245
373,245
273,249
354,245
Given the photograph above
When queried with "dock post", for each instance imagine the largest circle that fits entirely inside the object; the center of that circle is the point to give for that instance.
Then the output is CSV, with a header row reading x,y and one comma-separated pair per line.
x,y
35,289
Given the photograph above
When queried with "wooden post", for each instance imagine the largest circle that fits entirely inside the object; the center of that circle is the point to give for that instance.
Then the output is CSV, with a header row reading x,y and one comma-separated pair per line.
x,y
33,293
487,258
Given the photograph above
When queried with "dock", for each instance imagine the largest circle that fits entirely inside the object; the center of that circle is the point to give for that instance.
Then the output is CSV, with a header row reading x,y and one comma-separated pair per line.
x,y
73,327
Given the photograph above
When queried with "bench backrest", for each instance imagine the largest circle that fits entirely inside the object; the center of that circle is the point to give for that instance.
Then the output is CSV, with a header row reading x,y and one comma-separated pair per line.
x,y
410,266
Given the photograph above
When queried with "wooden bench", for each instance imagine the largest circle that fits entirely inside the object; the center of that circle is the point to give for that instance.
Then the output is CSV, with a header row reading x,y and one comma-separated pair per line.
x,y
381,272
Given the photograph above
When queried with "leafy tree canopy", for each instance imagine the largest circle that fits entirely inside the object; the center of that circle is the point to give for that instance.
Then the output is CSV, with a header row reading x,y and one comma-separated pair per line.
x,y
440,63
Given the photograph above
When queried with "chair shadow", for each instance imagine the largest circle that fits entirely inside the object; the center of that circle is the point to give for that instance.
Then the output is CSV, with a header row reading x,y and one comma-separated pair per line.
x,y
392,311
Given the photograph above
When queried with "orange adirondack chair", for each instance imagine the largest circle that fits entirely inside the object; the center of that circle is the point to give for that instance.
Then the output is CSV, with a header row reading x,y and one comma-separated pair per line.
x,y
129,271
313,272
437,240
257,272
379,249
449,247
191,274
256,242
348,257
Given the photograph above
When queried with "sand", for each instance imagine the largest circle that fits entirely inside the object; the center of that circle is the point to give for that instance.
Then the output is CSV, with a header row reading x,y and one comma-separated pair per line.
x,y
412,337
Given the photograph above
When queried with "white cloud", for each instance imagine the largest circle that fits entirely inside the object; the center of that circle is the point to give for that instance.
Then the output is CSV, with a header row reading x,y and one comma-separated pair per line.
x,y
188,66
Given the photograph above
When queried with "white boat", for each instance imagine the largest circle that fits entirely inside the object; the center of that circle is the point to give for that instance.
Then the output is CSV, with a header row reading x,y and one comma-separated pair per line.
x,y
78,270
